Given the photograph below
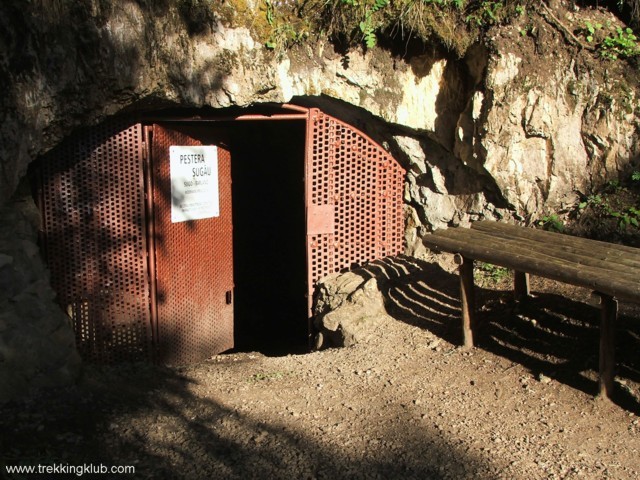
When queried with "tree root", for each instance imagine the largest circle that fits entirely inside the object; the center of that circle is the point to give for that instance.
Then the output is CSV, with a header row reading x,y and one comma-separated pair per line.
x,y
548,15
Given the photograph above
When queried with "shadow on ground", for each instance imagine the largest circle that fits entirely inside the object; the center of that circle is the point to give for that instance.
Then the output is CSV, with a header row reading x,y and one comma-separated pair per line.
x,y
550,334
168,424
149,417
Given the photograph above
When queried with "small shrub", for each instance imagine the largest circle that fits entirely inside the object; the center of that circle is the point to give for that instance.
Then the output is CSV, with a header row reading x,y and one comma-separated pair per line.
x,y
368,26
628,217
591,29
611,43
551,223
622,44
488,272
615,207
487,13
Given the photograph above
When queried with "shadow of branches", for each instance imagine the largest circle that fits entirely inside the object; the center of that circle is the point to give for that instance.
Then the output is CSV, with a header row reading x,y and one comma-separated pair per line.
x,y
551,334
170,423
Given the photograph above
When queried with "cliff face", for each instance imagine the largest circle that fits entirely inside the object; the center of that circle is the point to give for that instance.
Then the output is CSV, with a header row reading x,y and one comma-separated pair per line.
x,y
512,130
534,116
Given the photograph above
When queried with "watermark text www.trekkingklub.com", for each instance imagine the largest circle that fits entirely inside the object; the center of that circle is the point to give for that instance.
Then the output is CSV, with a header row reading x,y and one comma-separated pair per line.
x,y
67,469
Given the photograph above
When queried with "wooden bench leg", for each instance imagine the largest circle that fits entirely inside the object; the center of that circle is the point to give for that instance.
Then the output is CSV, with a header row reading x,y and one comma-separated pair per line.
x,y
608,314
467,298
521,286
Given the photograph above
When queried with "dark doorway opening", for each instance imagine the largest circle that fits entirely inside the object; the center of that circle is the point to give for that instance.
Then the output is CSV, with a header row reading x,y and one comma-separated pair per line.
x,y
270,273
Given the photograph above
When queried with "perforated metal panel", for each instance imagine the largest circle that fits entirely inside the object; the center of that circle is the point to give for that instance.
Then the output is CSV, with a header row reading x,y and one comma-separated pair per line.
x,y
95,229
94,232
354,199
194,264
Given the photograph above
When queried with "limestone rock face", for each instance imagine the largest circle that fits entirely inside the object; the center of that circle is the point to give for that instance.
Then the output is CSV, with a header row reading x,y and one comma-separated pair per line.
x,y
37,346
547,125
504,127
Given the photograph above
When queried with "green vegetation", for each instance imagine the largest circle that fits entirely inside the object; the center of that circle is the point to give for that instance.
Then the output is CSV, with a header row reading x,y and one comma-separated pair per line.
x,y
485,273
368,25
611,213
453,23
611,42
552,223
284,31
616,202
488,13
622,44
590,30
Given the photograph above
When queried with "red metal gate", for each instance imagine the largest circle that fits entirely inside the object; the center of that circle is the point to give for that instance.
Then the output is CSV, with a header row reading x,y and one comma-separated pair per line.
x,y
92,204
354,199
130,277
193,262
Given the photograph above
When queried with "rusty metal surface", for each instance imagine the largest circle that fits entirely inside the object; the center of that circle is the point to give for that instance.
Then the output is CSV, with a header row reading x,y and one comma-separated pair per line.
x,y
96,239
94,232
321,219
194,264
351,175
259,112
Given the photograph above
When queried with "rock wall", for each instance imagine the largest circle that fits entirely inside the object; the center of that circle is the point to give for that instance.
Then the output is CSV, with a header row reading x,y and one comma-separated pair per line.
x,y
37,347
508,126
512,130
553,122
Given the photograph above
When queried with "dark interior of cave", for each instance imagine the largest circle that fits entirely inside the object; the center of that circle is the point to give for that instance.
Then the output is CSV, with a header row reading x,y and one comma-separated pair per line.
x,y
270,275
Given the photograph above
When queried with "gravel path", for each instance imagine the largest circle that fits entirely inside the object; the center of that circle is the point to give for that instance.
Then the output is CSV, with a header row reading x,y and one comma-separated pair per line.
x,y
407,404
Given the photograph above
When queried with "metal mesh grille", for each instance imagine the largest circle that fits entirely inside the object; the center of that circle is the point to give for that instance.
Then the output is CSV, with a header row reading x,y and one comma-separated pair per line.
x,y
194,264
94,229
364,184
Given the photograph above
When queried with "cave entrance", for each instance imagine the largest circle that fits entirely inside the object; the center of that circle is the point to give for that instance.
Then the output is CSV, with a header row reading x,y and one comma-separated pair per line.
x,y
146,269
269,236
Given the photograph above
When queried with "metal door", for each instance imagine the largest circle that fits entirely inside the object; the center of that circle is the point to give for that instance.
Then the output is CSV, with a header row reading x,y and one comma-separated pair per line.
x,y
354,199
92,202
193,261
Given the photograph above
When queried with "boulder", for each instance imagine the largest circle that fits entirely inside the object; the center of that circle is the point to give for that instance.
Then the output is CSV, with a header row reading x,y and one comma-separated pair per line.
x,y
349,308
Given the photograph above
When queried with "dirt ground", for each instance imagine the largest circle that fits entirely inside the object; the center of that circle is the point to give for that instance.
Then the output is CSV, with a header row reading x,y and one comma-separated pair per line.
x,y
409,403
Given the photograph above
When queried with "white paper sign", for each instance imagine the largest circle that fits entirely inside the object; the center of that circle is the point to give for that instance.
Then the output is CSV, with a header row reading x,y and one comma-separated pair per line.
x,y
194,182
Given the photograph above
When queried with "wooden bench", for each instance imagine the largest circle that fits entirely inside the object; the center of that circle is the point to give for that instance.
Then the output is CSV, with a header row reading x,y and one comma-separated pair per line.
x,y
611,271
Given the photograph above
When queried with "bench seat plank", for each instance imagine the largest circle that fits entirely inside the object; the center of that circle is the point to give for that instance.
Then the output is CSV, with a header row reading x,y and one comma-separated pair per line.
x,y
551,252
622,254
592,258
535,260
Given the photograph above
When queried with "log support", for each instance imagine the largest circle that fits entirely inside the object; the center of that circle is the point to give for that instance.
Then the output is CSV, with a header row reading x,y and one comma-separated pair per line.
x,y
467,299
608,314
521,288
